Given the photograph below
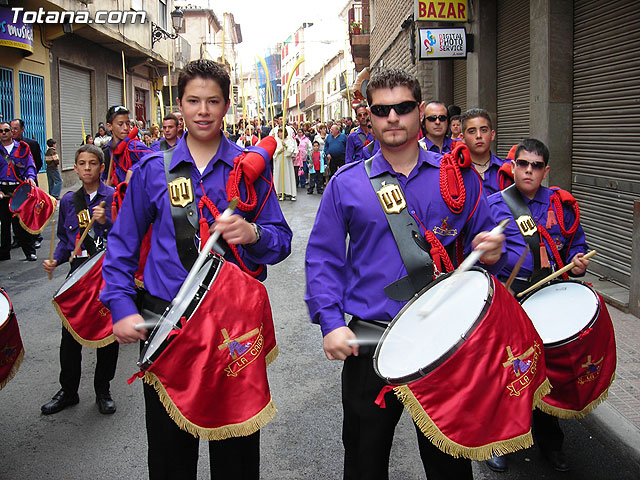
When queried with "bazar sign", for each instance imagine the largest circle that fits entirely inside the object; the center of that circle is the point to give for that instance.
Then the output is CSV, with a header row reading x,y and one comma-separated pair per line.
x,y
442,43
14,32
441,11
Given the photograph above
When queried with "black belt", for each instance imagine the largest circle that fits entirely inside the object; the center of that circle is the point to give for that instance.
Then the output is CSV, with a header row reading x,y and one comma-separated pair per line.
x,y
367,330
152,303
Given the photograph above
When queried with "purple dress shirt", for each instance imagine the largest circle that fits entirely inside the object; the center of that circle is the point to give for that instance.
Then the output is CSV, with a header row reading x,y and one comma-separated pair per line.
x,y
24,166
427,144
355,145
490,182
539,208
351,279
68,220
147,202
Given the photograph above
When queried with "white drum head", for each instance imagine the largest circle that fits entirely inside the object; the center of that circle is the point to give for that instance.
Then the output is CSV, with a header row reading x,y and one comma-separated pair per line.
x,y
561,310
413,342
79,272
5,309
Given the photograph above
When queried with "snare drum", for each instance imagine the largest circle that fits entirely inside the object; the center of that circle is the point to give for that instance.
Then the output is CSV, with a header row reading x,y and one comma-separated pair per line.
x,y
207,356
78,304
33,206
476,354
11,349
579,346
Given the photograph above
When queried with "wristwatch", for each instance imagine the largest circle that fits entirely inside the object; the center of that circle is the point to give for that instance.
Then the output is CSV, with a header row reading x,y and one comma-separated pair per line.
x,y
258,229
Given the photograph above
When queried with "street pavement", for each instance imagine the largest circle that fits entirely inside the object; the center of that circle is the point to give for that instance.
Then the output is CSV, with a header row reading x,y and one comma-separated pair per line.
x,y
303,442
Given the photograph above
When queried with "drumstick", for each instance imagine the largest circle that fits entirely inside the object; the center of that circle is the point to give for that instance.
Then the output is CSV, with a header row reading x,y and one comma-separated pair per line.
x,y
361,341
469,262
564,269
84,235
202,256
53,239
516,269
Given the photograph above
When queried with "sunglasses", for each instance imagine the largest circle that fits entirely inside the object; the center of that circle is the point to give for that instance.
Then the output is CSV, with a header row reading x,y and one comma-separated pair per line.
x,y
534,165
401,108
433,118
5,130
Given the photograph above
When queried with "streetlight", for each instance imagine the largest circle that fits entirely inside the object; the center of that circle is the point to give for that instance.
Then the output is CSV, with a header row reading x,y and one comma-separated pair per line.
x,y
158,33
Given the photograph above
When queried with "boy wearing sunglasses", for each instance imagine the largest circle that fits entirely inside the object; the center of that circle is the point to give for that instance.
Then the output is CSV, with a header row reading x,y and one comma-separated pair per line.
x,y
358,275
435,124
545,220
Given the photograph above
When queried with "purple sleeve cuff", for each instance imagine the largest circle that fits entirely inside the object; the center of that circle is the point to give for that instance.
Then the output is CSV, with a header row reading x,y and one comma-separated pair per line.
x,y
121,308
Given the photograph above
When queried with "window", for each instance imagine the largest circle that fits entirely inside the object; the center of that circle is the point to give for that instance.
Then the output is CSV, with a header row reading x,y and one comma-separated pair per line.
x,y
162,13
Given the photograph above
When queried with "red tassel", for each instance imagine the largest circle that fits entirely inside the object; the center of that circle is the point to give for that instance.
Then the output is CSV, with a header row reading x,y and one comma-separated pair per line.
x,y
380,398
135,376
204,231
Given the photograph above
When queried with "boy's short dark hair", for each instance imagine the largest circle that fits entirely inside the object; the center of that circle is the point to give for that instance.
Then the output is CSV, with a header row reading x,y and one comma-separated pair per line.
x,y
204,69
533,145
391,78
51,142
455,117
315,142
116,110
475,113
171,116
92,149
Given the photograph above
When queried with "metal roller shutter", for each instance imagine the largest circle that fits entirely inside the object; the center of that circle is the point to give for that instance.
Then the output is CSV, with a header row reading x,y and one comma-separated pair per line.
x,y
114,91
606,129
75,108
513,105
460,83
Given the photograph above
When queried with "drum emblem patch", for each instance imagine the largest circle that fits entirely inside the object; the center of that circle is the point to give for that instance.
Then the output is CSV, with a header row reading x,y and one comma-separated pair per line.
x,y
83,218
391,198
242,351
593,370
527,225
39,206
180,192
444,230
524,367
7,354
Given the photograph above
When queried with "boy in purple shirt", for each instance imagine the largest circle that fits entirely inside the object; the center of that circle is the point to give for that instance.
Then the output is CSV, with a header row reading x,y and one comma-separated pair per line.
x,y
261,236
477,134
89,164
358,274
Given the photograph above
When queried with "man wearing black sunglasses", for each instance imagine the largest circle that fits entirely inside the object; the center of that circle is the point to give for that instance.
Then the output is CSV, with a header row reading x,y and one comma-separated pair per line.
x,y
353,280
563,240
436,125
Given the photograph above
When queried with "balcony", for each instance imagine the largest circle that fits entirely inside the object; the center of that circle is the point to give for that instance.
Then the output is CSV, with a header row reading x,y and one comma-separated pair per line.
x,y
359,33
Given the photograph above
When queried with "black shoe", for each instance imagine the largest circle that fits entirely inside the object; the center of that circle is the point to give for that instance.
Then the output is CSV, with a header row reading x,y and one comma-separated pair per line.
x,y
37,244
106,405
557,460
31,258
498,463
60,401
14,244
309,192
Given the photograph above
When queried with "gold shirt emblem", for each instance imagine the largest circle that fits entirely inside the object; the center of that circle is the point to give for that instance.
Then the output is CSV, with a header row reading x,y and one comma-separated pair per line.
x,y
83,218
527,225
391,198
180,192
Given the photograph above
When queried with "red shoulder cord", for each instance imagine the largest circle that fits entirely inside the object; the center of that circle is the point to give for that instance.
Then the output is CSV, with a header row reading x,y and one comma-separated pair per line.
x,y
438,254
451,182
21,152
233,186
122,150
545,237
556,200
204,233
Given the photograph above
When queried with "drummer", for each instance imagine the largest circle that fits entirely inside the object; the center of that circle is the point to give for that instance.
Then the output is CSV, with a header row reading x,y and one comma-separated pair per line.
x,y
544,217
353,280
263,237
78,207
19,154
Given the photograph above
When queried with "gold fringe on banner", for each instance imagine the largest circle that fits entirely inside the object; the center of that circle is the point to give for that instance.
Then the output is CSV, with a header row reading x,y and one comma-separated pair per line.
x,y
14,369
242,429
441,441
564,413
272,355
85,343
36,232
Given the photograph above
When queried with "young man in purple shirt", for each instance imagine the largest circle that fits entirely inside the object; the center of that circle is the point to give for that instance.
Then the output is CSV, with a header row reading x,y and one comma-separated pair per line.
x,y
170,132
261,236
83,204
436,124
477,134
352,281
19,154
360,137
530,168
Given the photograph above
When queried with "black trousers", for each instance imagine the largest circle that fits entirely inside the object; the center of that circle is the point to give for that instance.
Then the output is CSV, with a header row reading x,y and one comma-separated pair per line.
x,y
316,180
71,362
173,453
367,431
335,163
25,239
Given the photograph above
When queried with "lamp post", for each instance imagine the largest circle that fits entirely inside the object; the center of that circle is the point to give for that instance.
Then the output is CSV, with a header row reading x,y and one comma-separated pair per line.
x,y
158,33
